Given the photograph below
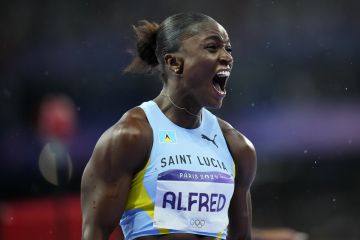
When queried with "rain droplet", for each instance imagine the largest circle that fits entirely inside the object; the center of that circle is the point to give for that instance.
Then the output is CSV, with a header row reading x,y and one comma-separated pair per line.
x,y
78,109
346,89
305,151
334,200
252,104
350,141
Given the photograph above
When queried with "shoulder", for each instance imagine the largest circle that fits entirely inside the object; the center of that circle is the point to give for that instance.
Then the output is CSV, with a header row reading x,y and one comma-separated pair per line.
x,y
241,149
125,145
236,140
133,125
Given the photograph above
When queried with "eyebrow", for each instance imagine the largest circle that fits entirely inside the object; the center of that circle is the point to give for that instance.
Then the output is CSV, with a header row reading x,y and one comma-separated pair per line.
x,y
218,38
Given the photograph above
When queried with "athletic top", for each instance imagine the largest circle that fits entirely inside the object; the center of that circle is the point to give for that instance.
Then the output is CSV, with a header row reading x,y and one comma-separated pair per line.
x,y
186,185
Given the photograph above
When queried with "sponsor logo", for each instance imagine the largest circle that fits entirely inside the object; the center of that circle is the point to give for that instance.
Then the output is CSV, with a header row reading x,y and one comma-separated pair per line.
x,y
210,140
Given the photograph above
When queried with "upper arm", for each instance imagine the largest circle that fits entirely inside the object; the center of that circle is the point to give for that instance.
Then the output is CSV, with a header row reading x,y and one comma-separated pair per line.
x,y
244,155
107,177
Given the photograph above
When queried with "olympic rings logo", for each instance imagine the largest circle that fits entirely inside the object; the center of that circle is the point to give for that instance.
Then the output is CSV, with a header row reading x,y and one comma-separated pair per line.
x,y
197,223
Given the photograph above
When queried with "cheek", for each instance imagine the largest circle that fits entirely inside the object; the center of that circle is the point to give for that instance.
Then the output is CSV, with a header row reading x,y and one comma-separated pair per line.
x,y
200,71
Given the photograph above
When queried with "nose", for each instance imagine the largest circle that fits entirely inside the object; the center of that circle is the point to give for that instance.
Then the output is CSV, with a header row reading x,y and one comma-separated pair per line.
x,y
225,58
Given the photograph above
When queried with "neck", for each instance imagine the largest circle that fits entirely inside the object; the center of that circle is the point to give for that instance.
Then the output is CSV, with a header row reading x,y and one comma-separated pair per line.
x,y
177,112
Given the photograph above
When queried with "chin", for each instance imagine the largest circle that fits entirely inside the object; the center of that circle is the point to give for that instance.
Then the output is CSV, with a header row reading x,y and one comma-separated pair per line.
x,y
215,105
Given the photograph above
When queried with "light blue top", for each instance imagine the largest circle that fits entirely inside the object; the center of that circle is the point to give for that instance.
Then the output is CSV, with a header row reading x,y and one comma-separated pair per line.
x,y
182,188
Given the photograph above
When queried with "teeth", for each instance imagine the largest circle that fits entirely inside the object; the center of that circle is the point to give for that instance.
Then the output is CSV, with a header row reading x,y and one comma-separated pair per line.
x,y
223,74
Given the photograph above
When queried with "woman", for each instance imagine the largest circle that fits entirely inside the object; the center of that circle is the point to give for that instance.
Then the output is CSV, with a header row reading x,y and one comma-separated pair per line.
x,y
169,169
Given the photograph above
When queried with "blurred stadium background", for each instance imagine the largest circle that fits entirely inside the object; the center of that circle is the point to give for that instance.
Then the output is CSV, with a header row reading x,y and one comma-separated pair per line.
x,y
294,91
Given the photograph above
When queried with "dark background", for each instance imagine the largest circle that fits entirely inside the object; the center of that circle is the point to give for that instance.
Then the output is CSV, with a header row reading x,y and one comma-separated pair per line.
x,y
294,92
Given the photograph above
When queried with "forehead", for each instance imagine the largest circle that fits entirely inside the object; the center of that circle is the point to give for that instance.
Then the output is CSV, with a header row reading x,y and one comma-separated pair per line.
x,y
209,30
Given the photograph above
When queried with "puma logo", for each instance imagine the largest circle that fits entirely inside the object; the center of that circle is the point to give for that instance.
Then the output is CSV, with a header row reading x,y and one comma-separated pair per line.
x,y
211,140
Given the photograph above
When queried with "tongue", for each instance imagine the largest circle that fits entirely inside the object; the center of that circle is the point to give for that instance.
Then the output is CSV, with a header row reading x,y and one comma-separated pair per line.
x,y
218,88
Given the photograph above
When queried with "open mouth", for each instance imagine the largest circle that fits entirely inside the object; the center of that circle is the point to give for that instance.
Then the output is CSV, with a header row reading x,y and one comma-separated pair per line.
x,y
219,81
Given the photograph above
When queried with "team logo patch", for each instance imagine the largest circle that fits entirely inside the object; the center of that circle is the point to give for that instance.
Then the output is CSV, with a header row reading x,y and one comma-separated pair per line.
x,y
167,136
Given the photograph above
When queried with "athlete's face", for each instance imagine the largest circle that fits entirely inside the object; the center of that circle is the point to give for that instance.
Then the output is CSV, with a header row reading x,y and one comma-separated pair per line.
x,y
207,65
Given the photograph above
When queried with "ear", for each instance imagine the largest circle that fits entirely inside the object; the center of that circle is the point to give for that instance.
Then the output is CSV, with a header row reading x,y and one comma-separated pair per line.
x,y
174,62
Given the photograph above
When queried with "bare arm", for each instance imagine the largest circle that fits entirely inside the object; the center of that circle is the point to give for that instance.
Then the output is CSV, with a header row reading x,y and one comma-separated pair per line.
x,y
244,155
119,154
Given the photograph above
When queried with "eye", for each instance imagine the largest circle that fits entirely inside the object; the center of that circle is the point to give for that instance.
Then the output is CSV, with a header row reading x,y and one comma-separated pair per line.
x,y
212,47
228,49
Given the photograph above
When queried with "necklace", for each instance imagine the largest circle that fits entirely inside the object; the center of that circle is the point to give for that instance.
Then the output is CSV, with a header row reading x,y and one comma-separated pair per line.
x,y
181,108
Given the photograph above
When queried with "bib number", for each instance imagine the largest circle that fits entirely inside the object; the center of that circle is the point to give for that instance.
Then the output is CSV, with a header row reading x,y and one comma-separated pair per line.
x,y
193,201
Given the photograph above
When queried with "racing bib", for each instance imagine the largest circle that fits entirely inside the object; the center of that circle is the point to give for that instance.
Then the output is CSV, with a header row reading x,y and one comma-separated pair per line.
x,y
193,201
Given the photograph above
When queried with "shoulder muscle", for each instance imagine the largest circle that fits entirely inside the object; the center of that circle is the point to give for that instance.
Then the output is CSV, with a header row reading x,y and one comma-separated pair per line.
x,y
124,146
243,152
